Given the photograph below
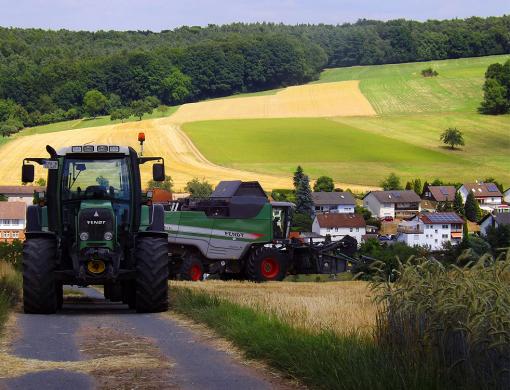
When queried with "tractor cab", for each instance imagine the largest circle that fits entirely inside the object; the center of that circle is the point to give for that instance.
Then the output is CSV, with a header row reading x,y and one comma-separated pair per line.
x,y
282,219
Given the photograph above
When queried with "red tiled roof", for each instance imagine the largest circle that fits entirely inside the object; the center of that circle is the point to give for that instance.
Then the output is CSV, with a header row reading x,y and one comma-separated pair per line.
x,y
482,189
13,210
333,220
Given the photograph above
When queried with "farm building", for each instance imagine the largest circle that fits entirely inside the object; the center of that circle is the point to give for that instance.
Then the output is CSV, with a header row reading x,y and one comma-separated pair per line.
x,y
494,220
334,202
488,195
20,193
431,230
12,221
394,204
339,225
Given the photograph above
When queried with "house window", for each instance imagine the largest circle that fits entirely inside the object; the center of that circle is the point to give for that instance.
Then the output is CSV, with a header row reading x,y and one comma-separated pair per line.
x,y
15,234
445,226
435,240
336,229
445,235
351,230
436,231
6,234
357,229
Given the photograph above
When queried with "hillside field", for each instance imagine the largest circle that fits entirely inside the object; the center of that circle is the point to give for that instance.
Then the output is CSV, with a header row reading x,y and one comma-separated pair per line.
x,y
403,137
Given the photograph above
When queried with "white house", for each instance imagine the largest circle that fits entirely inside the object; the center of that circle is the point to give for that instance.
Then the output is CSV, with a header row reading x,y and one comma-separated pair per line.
x,y
20,193
431,230
339,225
392,203
494,220
488,195
333,202
506,196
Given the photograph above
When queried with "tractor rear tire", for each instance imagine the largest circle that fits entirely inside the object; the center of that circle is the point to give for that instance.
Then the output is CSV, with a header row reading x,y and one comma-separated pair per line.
x,y
39,285
191,268
151,255
266,264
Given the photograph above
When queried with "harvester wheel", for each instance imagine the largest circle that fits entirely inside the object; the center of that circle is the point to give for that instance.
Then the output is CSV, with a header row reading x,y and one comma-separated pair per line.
x,y
151,255
60,294
39,285
191,268
266,264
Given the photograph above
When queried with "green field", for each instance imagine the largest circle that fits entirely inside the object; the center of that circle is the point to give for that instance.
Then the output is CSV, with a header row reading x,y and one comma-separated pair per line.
x,y
404,137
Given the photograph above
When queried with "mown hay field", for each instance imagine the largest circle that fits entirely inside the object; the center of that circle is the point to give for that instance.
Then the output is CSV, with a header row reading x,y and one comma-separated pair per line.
x,y
320,100
340,307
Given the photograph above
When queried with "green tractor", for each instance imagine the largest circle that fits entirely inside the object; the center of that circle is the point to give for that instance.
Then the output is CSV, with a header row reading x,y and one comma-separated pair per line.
x,y
238,233
93,226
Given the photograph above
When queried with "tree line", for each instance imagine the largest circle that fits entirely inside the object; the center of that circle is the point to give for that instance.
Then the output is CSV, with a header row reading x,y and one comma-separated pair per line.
x,y
45,75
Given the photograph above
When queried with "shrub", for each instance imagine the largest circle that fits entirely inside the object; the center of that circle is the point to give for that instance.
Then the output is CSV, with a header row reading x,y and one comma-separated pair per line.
x,y
429,72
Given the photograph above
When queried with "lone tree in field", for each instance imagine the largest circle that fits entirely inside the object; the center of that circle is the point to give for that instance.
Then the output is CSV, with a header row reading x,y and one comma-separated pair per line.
x,y
472,209
94,103
198,189
453,137
324,184
429,72
392,182
140,107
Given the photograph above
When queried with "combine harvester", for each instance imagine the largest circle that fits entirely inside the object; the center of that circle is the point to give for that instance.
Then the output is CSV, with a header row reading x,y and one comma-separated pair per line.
x,y
237,232
94,226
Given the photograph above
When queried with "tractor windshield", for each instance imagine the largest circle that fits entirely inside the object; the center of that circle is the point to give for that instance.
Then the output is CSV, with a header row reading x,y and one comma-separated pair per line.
x,y
96,179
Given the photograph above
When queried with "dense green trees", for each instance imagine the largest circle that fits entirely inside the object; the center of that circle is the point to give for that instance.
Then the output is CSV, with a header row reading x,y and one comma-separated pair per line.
x,y
472,208
324,184
496,98
392,182
94,103
48,73
199,189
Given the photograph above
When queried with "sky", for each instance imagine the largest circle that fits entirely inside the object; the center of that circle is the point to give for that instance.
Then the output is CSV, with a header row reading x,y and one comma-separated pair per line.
x,y
157,15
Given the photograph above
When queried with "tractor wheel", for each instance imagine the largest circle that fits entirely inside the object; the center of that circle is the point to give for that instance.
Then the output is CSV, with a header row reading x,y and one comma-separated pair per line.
x,y
191,268
151,255
266,264
39,285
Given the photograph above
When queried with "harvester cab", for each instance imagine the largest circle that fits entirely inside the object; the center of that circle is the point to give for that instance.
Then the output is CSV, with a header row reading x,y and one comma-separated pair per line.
x,y
91,227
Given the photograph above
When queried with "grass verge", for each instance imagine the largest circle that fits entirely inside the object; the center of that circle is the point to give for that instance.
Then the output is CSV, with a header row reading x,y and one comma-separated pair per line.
x,y
10,290
322,360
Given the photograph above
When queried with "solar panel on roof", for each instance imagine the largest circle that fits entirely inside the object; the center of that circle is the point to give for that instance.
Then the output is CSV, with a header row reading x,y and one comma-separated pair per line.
x,y
491,187
444,190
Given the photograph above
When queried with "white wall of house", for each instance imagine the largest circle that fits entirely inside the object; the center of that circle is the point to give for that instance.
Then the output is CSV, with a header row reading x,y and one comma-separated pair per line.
x,y
339,233
341,209
28,199
433,236
379,210
506,196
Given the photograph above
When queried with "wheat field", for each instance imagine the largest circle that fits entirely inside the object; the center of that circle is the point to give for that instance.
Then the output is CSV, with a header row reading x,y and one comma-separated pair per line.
x,y
341,307
342,98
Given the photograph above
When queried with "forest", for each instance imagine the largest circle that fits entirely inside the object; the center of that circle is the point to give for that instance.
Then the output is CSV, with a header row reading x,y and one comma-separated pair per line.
x,y
45,75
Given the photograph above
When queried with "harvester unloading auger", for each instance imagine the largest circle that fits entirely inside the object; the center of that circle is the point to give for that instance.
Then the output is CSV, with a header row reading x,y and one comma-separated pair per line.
x,y
94,226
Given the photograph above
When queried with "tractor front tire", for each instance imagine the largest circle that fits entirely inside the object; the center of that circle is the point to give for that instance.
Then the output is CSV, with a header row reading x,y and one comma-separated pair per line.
x,y
191,268
39,285
266,264
151,255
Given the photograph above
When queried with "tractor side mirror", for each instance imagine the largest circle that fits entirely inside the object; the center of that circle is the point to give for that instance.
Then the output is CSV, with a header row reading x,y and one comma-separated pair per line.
x,y
158,172
27,173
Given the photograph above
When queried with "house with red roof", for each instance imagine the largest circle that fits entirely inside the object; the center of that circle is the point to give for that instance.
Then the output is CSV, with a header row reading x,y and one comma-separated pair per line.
x,y
338,225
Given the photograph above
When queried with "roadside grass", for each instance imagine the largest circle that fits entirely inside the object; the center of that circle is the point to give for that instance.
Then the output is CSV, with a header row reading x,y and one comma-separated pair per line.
x,y
400,88
320,360
340,308
10,289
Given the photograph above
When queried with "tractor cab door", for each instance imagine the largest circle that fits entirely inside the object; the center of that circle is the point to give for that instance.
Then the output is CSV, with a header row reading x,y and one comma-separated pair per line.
x,y
282,217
